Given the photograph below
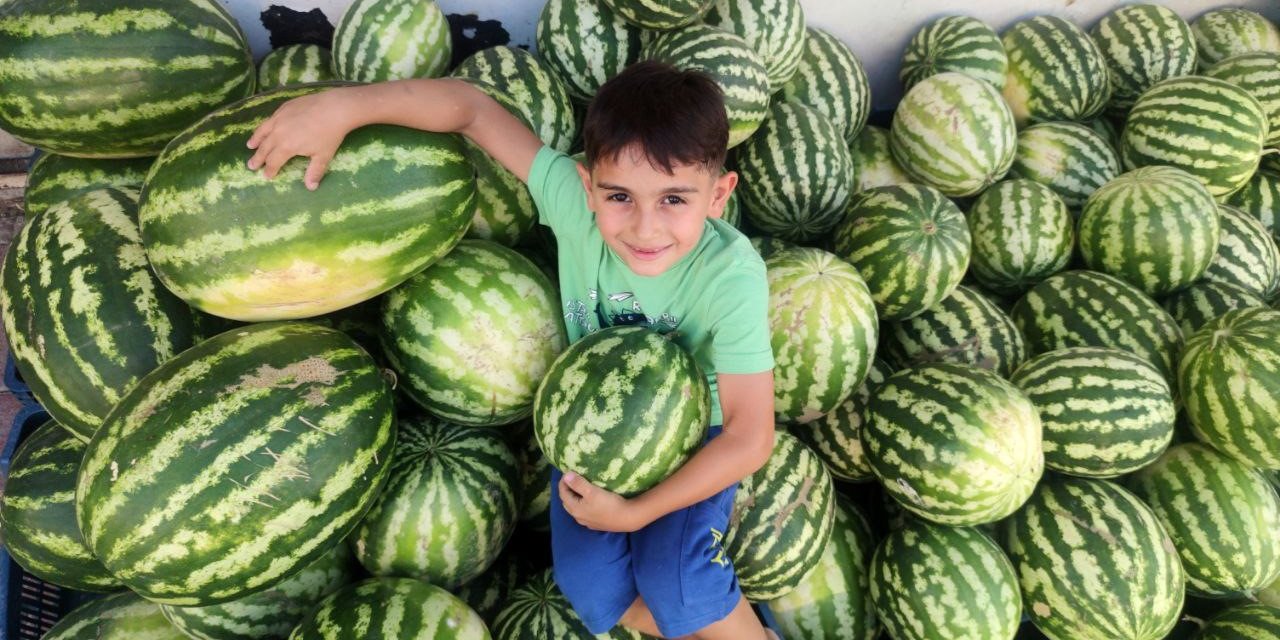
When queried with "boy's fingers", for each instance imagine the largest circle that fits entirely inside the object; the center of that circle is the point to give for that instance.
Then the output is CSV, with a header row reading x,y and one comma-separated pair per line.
x,y
567,496
275,160
260,133
315,170
256,160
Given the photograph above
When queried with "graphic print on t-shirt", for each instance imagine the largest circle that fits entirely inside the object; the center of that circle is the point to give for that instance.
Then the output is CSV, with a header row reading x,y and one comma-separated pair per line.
x,y
611,310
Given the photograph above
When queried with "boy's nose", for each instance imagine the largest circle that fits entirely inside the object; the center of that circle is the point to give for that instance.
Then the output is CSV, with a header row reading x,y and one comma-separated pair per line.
x,y
645,224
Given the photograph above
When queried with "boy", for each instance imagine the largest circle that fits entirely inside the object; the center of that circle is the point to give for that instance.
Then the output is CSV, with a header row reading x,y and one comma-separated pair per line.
x,y
639,242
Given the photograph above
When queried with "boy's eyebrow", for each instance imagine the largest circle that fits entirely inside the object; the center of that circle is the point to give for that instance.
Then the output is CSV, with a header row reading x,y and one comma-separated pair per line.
x,y
613,187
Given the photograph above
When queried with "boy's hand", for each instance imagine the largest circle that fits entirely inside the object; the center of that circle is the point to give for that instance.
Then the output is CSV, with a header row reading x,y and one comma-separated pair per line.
x,y
311,125
599,509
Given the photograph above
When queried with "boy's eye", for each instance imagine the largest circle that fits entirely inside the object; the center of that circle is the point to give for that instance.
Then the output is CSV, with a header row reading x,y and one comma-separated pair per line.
x,y
618,197
673,200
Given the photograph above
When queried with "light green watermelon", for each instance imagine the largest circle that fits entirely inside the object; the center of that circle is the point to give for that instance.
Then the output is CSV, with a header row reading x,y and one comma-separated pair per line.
x,y
1247,254
295,64
1068,157
1022,233
1143,44
1056,71
954,43
380,40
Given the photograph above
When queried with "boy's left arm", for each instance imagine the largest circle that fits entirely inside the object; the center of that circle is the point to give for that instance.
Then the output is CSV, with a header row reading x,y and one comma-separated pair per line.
x,y
743,446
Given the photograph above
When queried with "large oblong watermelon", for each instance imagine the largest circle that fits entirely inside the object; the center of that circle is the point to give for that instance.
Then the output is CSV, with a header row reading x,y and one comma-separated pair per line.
x,y
391,609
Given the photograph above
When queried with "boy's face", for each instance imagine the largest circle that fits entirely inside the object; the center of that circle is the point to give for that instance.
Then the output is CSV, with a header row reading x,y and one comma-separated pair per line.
x,y
650,218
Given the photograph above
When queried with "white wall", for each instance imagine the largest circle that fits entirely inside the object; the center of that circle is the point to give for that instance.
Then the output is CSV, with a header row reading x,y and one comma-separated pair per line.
x,y
876,30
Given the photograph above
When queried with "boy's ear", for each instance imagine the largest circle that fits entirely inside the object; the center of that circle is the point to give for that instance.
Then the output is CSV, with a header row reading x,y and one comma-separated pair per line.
x,y
585,174
721,191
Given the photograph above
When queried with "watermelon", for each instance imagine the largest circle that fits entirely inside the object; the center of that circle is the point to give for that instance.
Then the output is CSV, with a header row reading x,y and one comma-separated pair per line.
x,y
836,438
1022,233
1242,622
886,224
954,43
1259,74
953,443
585,43
83,313
781,521
623,407
538,611
1068,157
873,162
448,508
38,512
402,198
1056,71
832,81
1204,301
930,582
729,60
1260,198
123,616
1091,309
767,246
1226,32
489,591
1143,44
1223,517
391,609
774,28
284,429
955,133
54,178
272,613
1087,550
659,14
1210,128
1247,254
1105,412
1154,227
535,476
796,174
824,332
380,40
833,602
295,64
1234,356
1109,128
964,328
119,79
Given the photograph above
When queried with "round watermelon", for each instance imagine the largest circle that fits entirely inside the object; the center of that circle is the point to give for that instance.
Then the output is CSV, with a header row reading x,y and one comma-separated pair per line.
x,y
1204,301
54,178
1022,233
585,43
380,40
1230,31
1143,44
537,611
659,14
774,28
836,438
391,609
964,328
1247,254
295,64
832,81
873,162
1255,620
1068,157
954,43
1056,71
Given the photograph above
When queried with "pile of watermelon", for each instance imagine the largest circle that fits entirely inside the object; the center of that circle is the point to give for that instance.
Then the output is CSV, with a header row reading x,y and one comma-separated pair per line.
x,y
1028,368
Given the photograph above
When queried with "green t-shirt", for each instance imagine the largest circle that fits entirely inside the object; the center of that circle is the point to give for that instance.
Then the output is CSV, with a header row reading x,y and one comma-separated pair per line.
x,y
714,300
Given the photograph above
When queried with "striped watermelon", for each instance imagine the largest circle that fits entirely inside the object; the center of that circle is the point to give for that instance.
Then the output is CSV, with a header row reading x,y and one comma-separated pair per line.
x,y
781,522
1243,622
767,246
1259,74
123,616
796,174
38,512
964,328
272,613
832,81
1143,44
930,582
659,14
117,79
491,590
836,438
1091,309
1105,412
873,162
624,407
953,443
1022,233
473,334
1223,517
1068,157
538,611
955,133
240,246
535,476
1056,71
954,43
1234,356
585,43
1094,563
1204,301
824,332
1109,128
448,508
1226,32
284,429
391,609
833,602
379,40
774,28
83,313
1247,254
295,64
729,60
54,178
886,224
1210,128
1260,198
1154,227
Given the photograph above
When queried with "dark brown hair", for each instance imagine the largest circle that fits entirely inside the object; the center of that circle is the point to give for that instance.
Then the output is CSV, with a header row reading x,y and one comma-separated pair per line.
x,y
677,117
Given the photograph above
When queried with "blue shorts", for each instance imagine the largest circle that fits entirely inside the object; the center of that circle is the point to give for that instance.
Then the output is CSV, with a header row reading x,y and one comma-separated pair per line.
x,y
677,563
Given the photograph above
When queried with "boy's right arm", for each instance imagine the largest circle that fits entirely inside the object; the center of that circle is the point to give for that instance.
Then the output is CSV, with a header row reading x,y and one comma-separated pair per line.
x,y
315,125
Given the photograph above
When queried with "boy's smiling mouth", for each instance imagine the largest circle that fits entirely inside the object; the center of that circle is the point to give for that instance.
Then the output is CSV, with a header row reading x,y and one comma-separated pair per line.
x,y
646,253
